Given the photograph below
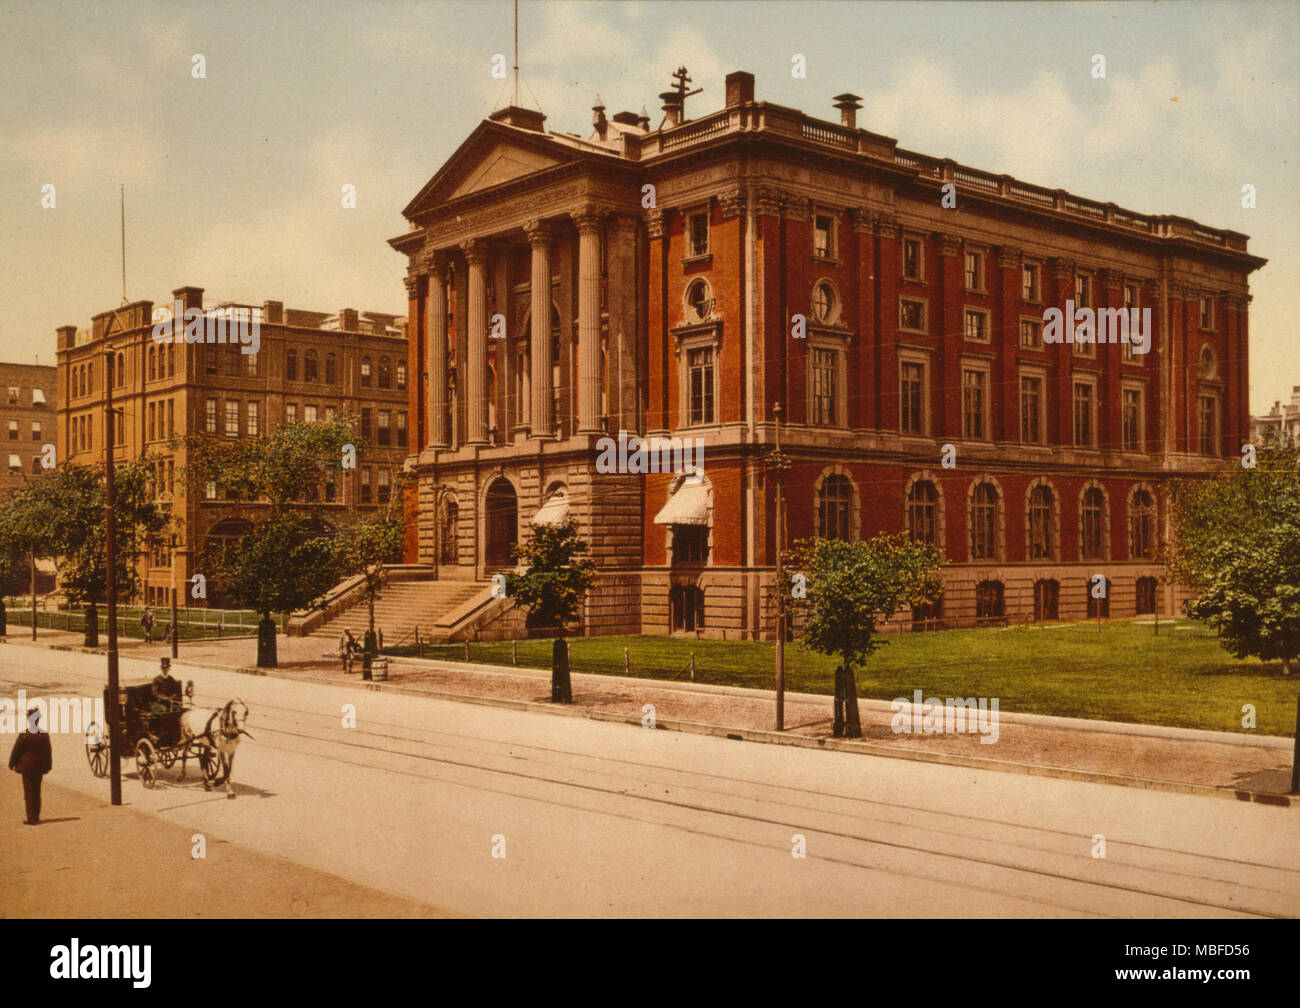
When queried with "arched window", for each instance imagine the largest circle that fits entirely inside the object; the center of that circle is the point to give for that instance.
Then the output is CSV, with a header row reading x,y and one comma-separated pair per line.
x,y
984,522
922,511
365,372
291,365
447,547
1047,599
989,601
171,360
556,381
310,366
78,377
152,363
121,370
401,374
88,385
1146,596
1141,525
1040,523
331,371
833,507
1092,516
385,373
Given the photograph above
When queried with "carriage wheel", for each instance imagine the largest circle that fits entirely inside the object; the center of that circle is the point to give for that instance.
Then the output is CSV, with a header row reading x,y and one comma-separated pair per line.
x,y
213,767
96,750
145,758
167,757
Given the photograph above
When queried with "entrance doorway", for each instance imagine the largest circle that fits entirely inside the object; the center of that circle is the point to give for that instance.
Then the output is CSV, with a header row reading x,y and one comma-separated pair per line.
x,y
502,524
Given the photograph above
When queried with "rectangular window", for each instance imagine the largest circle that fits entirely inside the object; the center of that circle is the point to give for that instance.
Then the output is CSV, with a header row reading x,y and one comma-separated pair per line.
x,y
309,413
912,258
1208,415
250,365
231,362
171,417
1031,409
290,413
977,326
253,410
823,233
911,314
698,234
690,544
232,418
1083,414
1031,334
13,430
210,490
1131,420
974,393
699,364
385,419
1082,291
153,421
365,422
1029,282
823,387
36,430
911,392
1130,301
401,429
365,485
365,372
13,395
974,271
1207,313
210,416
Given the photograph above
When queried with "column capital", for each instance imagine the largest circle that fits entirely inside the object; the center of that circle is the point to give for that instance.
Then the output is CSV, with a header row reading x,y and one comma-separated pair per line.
x,y
654,222
732,202
589,218
413,283
1060,269
861,220
1010,257
538,232
475,250
946,244
622,221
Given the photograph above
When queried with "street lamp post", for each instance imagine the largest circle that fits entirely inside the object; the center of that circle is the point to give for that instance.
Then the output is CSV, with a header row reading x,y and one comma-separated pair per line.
x,y
110,558
778,463
175,628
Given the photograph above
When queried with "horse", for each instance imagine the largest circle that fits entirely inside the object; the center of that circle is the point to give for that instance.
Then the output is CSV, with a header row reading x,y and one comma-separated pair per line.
x,y
219,730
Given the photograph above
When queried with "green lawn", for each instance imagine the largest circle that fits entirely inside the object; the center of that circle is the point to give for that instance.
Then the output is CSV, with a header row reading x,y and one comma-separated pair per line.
x,y
1182,677
195,623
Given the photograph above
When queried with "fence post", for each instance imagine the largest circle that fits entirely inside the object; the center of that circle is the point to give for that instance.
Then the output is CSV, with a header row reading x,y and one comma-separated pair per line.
x,y
692,666
627,664
467,650
514,652
1295,758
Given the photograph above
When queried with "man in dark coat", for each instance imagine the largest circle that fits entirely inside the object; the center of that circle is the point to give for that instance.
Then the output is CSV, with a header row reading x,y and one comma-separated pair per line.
x,y
32,758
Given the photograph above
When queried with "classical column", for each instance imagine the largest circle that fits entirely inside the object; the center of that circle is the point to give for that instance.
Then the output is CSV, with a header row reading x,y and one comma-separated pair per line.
x,y
539,237
475,387
436,355
589,225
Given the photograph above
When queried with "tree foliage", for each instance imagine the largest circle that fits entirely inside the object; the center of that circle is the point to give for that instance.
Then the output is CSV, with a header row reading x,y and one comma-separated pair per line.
x,y
1237,545
283,564
364,545
850,587
556,572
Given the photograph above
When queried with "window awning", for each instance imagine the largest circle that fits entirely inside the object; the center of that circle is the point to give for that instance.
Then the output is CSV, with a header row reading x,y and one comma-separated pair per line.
x,y
38,397
554,511
15,462
688,506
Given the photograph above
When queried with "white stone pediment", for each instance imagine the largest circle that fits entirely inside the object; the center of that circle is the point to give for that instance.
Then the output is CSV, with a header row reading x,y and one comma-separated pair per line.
x,y
502,163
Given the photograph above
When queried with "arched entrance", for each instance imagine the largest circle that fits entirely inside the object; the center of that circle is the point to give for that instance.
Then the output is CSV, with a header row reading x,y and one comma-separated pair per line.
x,y
501,530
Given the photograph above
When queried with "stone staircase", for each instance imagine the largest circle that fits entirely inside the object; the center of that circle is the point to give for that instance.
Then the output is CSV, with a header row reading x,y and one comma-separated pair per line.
x,y
403,606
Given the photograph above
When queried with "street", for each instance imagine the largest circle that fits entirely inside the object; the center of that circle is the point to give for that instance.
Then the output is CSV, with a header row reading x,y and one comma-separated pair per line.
x,y
492,812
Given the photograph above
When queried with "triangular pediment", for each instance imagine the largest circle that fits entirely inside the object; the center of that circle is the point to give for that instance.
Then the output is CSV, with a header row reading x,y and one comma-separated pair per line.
x,y
492,155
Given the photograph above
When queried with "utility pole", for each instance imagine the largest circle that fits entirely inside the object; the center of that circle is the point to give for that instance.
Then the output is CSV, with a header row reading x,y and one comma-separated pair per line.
x,y
32,559
175,629
110,558
778,463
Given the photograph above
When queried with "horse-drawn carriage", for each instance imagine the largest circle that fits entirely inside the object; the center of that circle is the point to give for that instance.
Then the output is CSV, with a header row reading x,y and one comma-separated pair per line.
x,y
158,725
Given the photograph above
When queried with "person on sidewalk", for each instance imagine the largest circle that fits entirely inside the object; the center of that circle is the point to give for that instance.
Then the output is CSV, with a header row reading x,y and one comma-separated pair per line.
x,y
146,624
347,650
31,757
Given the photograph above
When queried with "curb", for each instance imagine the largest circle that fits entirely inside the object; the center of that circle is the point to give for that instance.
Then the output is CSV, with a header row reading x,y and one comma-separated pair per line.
x,y
833,745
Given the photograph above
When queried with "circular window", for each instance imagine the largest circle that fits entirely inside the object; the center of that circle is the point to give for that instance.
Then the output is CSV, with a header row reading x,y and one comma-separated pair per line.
x,y
824,301
699,301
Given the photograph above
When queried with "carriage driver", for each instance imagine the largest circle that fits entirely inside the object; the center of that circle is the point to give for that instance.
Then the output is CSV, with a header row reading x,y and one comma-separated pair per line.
x,y
166,688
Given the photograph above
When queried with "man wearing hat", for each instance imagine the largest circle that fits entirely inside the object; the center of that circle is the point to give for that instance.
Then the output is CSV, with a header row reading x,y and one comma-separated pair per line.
x,y
32,758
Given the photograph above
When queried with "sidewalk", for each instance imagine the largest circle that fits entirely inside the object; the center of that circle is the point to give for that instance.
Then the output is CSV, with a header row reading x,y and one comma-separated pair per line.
x,y
1249,768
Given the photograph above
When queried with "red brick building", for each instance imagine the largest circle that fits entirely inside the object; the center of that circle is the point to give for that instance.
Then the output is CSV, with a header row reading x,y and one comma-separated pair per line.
x,y
697,275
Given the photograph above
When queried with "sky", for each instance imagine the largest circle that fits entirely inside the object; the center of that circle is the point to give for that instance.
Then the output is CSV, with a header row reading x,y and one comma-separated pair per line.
x,y
234,180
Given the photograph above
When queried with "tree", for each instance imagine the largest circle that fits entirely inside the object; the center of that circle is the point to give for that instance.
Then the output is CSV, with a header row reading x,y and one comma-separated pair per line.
x,y
286,562
14,559
363,546
1237,545
556,572
27,531
849,586
70,499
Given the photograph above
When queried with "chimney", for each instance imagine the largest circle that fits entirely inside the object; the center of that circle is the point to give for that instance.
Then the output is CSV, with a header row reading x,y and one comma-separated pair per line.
x,y
740,88
848,104
273,312
67,337
643,120
190,297
626,118
598,119
672,108
348,320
